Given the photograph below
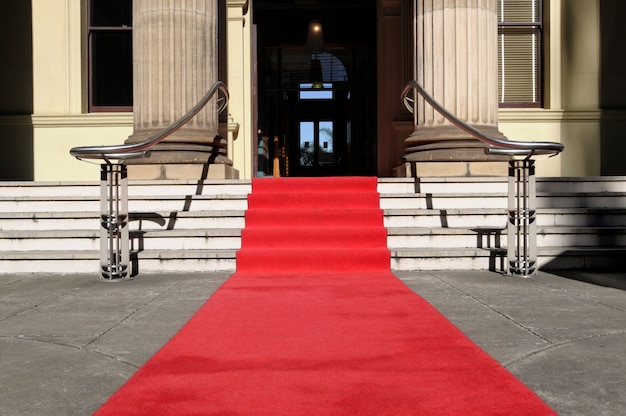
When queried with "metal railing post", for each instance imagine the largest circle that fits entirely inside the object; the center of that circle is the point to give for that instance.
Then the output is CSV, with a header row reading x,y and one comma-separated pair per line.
x,y
114,219
114,234
522,227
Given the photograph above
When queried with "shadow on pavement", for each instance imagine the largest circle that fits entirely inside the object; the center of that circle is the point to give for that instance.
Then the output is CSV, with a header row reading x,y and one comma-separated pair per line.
x,y
606,278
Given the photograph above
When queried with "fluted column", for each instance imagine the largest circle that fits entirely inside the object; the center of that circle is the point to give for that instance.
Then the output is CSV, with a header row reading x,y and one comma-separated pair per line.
x,y
456,61
175,53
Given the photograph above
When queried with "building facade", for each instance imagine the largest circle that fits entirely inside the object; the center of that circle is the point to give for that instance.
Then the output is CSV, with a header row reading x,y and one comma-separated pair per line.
x,y
552,70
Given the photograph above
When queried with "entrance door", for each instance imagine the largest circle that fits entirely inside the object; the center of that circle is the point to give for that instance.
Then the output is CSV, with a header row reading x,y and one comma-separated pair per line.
x,y
316,144
318,131
321,104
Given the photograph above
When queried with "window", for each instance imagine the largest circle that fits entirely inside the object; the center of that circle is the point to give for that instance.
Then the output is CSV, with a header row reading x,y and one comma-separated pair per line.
x,y
316,143
310,92
110,55
520,53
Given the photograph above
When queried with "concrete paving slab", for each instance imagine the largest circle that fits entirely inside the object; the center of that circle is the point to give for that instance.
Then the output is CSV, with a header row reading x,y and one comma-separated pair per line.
x,y
68,342
564,336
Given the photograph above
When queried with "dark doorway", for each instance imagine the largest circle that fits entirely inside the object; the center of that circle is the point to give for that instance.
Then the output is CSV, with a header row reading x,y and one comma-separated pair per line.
x,y
319,102
16,84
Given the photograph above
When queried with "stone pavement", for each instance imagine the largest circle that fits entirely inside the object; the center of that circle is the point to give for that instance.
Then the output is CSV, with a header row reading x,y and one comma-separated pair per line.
x,y
67,342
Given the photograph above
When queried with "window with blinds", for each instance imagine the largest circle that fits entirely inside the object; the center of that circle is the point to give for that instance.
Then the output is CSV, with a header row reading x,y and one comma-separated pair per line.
x,y
520,31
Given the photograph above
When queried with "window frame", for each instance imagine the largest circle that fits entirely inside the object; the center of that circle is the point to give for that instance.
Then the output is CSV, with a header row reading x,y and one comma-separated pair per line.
x,y
90,29
537,28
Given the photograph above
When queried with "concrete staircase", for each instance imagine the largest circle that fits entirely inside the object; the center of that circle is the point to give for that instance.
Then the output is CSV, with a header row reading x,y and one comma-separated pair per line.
x,y
174,226
460,223
433,224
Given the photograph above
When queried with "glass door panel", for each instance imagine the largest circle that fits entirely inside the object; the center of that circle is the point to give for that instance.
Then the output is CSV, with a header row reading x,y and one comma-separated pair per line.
x,y
316,143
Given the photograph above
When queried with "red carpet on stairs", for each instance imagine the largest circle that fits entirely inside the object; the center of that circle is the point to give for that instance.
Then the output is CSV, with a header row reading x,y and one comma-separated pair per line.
x,y
314,323
304,225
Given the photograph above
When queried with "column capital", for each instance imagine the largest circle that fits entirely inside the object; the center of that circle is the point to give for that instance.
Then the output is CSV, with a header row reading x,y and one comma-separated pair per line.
x,y
243,4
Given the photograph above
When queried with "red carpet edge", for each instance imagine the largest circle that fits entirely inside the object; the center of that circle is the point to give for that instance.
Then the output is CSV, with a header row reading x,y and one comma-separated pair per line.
x,y
313,322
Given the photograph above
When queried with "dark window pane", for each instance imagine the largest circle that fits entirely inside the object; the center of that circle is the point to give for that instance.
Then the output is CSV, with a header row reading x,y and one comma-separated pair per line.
x,y
516,11
112,68
520,53
519,66
117,13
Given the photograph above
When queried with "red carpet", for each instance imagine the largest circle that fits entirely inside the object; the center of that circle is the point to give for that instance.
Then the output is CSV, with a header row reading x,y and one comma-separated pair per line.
x,y
314,323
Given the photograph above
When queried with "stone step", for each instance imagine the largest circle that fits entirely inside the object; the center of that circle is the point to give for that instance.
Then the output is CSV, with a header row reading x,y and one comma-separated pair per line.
x,y
149,261
487,185
444,238
135,188
230,238
30,221
135,203
188,220
582,185
453,218
491,201
442,201
471,185
581,237
442,185
549,258
434,223
434,218
25,221
71,240
567,258
497,217
496,237
447,259
74,203
579,217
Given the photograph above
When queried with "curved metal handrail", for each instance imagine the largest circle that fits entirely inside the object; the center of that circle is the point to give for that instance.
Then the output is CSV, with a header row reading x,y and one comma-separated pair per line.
x,y
142,149
497,146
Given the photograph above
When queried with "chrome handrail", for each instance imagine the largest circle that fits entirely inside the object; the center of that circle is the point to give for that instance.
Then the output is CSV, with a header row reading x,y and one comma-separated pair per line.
x,y
521,224
114,217
142,149
497,146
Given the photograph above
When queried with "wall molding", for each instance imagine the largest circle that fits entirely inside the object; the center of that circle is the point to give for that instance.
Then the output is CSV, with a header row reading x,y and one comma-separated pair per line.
x,y
69,121
126,119
543,115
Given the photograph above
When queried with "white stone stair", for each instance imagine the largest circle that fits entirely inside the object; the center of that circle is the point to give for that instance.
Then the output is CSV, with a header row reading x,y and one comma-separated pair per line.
x,y
433,224
175,226
460,223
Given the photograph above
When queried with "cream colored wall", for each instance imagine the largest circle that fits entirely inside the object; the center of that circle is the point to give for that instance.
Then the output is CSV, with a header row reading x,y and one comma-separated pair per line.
x,y
581,51
16,86
56,135
240,85
578,131
53,140
60,123
57,62
571,115
59,119
580,96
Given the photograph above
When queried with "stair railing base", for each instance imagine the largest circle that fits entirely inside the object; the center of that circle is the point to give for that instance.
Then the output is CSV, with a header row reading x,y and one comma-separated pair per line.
x,y
114,234
522,227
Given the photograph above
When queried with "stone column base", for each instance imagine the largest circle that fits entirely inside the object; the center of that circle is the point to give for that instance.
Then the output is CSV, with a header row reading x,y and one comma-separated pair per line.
x,y
450,169
182,171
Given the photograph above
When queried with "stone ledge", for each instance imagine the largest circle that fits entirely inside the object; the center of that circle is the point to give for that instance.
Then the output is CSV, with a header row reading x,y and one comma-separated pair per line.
x,y
182,171
451,169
